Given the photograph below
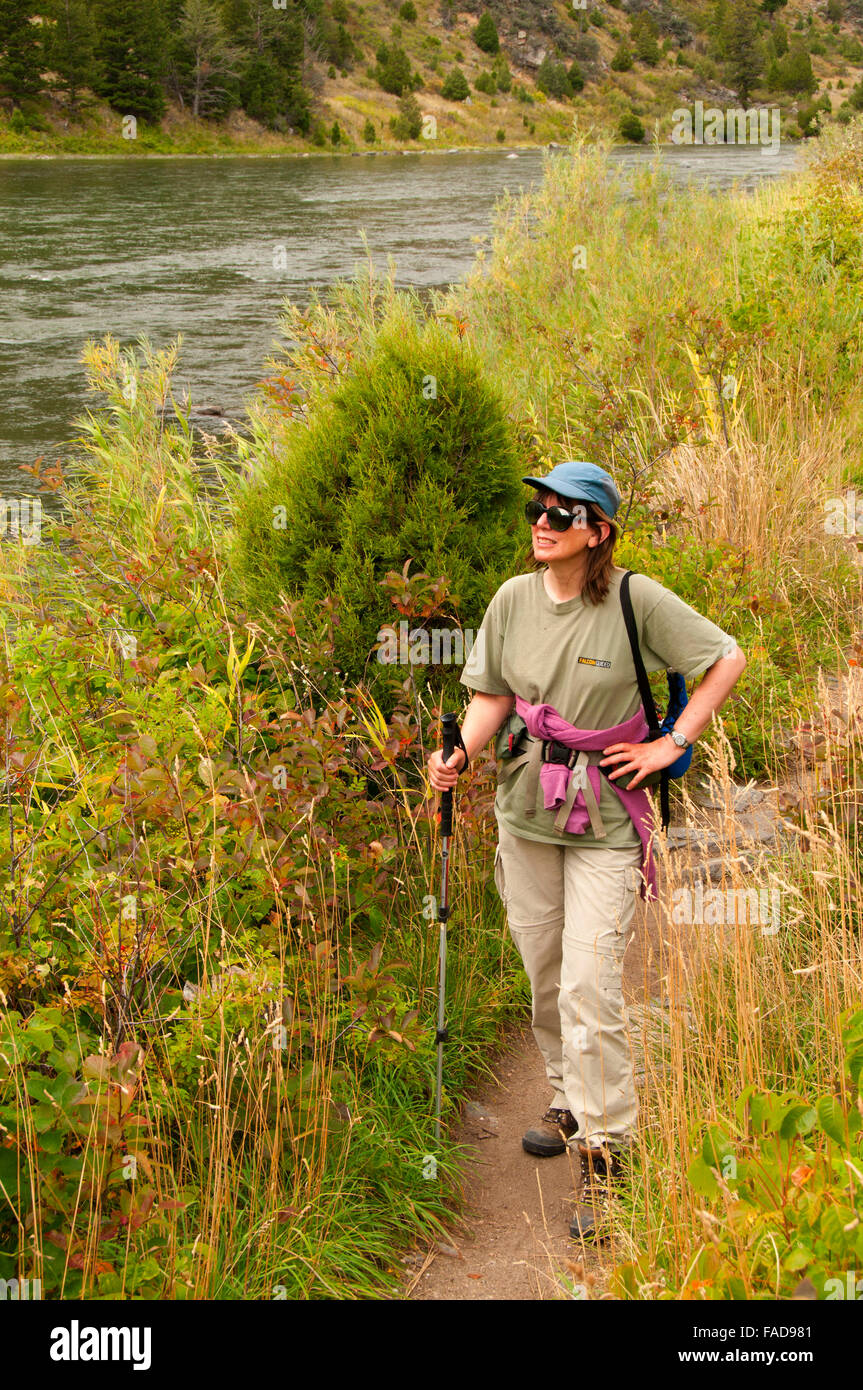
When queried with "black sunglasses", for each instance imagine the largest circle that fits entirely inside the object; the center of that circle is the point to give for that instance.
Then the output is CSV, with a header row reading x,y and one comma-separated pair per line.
x,y
558,518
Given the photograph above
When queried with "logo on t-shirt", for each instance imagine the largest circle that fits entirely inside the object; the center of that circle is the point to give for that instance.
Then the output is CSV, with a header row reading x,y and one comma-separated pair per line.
x,y
592,661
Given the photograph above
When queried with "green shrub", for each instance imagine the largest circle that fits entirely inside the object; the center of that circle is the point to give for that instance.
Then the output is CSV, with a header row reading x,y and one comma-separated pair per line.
x,y
780,38
485,83
794,72
586,49
623,59
553,79
455,87
336,134
500,136
485,34
393,72
408,12
644,31
501,73
597,18
409,122
409,457
807,118
630,127
369,134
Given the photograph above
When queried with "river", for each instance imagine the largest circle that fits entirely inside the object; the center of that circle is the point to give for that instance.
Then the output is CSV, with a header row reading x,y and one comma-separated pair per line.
x,y
211,247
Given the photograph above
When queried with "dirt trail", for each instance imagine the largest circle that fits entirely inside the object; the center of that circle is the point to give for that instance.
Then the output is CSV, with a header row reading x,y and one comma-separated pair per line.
x,y
512,1240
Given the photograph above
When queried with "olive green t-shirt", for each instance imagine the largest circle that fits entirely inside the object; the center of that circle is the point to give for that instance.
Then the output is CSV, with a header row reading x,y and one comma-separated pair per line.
x,y
576,657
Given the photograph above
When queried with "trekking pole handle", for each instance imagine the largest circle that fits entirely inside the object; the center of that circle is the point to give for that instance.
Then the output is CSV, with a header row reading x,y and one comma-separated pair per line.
x,y
448,722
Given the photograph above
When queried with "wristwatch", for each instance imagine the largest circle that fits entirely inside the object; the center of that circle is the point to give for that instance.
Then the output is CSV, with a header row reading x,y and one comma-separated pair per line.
x,y
680,739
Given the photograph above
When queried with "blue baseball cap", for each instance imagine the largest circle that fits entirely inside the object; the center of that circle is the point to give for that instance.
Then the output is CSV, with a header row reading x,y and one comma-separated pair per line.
x,y
584,482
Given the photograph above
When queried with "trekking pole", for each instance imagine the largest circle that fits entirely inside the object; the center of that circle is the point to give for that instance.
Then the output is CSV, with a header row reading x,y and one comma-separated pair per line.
x,y
450,729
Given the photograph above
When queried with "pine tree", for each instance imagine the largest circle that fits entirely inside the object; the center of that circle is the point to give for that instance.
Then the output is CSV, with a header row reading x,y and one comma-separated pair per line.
x,y
485,34
716,29
237,19
21,52
204,59
129,51
553,79
393,70
796,70
644,33
69,47
271,88
742,49
455,87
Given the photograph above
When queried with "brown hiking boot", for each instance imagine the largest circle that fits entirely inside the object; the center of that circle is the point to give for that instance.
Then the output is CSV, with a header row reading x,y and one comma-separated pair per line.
x,y
602,1169
549,1136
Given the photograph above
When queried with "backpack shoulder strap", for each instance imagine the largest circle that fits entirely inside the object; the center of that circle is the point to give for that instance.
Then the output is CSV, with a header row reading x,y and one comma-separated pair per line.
x,y
632,631
645,691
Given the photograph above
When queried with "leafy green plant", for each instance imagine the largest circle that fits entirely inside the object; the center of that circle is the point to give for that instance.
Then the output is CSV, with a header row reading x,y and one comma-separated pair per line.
x,y
783,1191
631,128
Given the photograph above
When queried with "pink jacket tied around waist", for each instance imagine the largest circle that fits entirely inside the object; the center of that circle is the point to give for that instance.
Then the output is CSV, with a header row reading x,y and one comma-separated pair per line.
x,y
544,722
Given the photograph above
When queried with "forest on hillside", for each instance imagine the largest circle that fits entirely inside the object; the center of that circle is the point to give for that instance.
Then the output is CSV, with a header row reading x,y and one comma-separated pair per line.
x,y
271,58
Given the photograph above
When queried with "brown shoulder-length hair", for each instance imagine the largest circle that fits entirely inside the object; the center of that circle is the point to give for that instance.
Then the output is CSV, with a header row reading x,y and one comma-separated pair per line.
x,y
600,558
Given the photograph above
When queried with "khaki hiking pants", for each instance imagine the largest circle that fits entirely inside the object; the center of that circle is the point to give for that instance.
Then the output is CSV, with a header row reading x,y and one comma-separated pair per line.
x,y
570,912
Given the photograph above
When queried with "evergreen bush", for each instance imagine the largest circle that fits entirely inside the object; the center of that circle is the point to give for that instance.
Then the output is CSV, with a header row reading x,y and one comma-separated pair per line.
x,y
409,457
623,59
455,87
408,124
485,34
630,127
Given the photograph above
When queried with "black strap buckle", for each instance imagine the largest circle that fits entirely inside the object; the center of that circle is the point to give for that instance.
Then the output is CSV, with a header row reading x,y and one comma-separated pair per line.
x,y
554,752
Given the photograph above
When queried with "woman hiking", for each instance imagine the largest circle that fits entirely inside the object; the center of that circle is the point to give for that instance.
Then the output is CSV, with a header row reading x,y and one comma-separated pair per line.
x,y
554,678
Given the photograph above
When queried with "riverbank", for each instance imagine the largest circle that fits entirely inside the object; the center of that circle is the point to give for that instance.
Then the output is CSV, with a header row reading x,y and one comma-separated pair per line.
x,y
219,930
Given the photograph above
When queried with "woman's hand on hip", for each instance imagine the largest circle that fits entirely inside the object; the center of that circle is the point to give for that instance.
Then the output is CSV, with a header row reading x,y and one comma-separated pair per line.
x,y
640,758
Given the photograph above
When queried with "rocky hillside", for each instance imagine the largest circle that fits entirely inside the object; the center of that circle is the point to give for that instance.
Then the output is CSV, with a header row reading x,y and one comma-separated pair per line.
x,y
339,75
